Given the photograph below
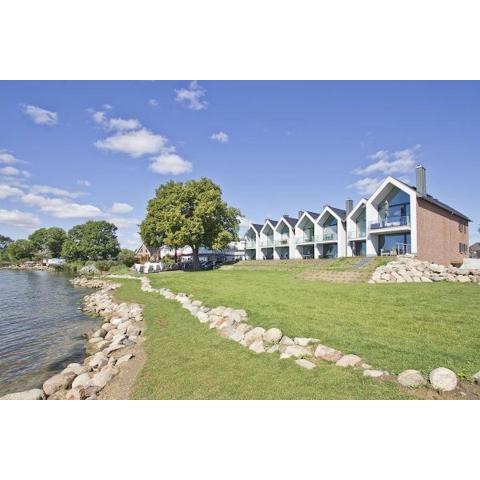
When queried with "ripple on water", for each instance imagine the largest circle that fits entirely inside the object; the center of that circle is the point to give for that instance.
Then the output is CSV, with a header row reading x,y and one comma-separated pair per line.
x,y
41,327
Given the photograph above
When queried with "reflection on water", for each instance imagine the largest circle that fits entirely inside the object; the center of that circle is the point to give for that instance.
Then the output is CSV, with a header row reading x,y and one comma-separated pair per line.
x,y
41,327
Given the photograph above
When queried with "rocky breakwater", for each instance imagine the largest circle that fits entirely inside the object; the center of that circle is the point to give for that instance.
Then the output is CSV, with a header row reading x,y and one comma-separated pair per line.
x,y
409,270
106,348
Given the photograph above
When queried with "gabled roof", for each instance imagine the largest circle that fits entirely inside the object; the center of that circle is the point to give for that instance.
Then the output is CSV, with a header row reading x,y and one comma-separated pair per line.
x,y
475,247
338,211
272,223
256,226
436,202
362,201
291,221
312,215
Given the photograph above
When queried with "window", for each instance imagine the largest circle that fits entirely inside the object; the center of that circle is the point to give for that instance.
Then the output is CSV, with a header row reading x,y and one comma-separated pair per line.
x,y
462,248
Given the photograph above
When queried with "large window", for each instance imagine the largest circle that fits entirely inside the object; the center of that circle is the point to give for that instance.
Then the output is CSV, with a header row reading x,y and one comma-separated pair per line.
x,y
360,248
395,205
396,243
330,251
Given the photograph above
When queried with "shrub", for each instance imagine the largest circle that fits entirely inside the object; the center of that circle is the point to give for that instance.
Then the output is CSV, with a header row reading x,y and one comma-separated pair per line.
x,y
89,270
126,257
104,265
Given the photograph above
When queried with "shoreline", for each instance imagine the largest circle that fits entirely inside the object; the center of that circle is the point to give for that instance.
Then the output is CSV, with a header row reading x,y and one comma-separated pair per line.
x,y
113,352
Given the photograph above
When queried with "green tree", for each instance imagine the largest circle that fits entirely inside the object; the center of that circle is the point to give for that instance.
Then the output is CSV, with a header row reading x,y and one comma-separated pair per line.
x,y
126,257
190,213
48,241
93,240
21,250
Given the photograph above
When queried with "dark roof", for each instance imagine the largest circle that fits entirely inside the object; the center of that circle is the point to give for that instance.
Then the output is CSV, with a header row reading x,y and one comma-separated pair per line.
x,y
291,221
257,227
338,211
314,215
437,202
475,247
273,222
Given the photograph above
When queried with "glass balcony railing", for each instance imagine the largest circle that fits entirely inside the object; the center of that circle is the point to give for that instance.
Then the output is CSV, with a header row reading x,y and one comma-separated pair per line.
x,y
352,235
282,242
329,236
250,244
266,243
304,239
390,222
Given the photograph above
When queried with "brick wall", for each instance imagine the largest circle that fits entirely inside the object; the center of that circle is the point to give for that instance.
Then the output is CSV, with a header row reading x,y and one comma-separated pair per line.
x,y
438,234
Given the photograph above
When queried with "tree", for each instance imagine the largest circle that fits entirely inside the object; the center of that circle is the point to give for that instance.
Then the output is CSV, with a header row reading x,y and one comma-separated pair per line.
x,y
48,241
93,240
4,242
190,213
127,257
21,250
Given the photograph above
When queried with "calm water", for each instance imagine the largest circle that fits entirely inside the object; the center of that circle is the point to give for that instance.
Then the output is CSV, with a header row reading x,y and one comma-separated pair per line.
x,y
41,327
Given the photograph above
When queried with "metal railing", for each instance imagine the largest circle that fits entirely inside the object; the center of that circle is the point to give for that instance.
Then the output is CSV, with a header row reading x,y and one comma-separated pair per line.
x,y
304,239
390,222
282,242
399,249
250,244
329,235
266,243
352,235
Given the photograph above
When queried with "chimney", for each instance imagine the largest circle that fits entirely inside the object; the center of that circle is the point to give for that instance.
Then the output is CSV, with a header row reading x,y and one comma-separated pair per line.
x,y
349,206
421,180
300,213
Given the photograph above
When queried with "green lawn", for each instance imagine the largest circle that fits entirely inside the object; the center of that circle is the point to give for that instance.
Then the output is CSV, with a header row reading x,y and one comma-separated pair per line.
x,y
186,360
391,326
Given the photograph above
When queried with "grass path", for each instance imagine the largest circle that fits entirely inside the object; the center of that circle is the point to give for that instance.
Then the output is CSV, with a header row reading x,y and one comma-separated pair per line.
x,y
186,360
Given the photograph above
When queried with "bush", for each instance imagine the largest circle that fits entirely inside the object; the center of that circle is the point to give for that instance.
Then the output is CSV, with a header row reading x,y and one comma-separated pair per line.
x,y
89,270
126,257
104,265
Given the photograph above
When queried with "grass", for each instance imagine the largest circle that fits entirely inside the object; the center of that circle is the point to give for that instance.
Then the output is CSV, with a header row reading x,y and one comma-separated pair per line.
x,y
391,326
186,360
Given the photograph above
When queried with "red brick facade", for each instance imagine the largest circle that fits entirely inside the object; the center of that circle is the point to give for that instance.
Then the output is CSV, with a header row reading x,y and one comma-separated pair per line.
x,y
439,234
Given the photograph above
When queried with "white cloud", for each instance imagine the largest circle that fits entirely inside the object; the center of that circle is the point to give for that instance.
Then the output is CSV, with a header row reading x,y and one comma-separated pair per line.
x,y
17,218
8,158
119,207
170,163
39,115
107,106
121,222
84,183
402,161
12,171
220,137
99,117
367,185
7,191
135,144
121,124
61,208
191,97
244,222
153,102
45,189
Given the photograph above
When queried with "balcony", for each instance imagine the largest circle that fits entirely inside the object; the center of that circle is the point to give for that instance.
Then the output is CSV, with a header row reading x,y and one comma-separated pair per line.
x,y
396,223
282,242
303,239
267,243
250,244
356,234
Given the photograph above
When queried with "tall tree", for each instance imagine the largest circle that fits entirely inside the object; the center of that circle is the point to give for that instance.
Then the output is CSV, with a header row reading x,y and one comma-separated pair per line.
x,y
190,213
48,241
21,250
93,240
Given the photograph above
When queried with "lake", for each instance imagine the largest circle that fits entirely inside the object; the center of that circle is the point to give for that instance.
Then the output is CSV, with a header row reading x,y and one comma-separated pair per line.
x,y
41,327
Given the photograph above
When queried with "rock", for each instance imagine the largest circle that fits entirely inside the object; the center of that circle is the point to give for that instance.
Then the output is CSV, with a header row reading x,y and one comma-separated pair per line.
x,y
327,353
257,346
76,368
348,360
203,317
123,359
373,373
443,379
304,342
59,395
81,381
34,394
99,333
128,342
75,394
297,351
98,361
411,378
274,348
305,363
58,382
236,336
254,335
476,378
272,335
117,321
243,328
287,341
101,378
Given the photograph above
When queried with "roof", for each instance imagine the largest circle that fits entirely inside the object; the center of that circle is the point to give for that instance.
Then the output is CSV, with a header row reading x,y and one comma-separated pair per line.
x,y
338,211
273,222
256,226
475,247
314,215
437,202
291,221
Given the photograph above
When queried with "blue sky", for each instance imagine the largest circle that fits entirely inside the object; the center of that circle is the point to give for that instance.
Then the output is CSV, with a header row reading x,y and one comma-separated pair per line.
x,y
70,151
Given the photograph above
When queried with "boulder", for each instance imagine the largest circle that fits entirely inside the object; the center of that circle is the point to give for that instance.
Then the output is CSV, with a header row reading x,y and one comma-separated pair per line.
x,y
243,328
443,379
101,378
58,395
327,353
304,342
301,362
123,359
257,346
81,381
274,348
98,361
272,335
287,341
348,360
75,394
76,368
58,382
411,378
297,351
254,335
373,373
203,317
476,377
34,394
